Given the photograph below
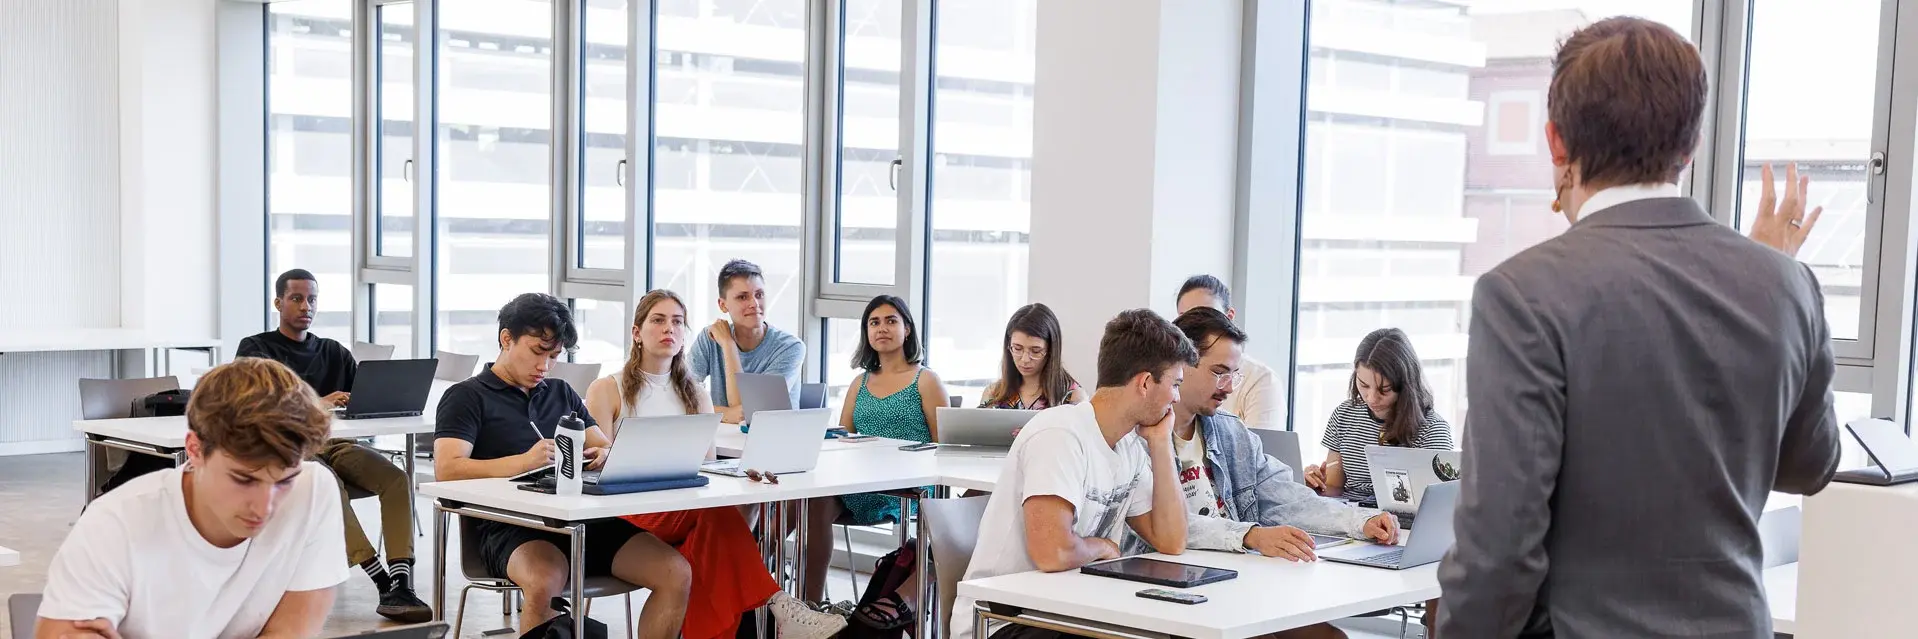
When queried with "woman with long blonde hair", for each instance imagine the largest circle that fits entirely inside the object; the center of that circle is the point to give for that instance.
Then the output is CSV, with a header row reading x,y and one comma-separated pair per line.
x,y
718,544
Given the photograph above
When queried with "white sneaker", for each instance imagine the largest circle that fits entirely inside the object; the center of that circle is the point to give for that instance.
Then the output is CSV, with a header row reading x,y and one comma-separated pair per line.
x,y
797,621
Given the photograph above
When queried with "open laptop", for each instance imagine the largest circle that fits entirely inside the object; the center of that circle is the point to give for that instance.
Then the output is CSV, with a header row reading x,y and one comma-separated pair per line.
x,y
780,442
1893,456
428,630
658,449
1400,476
979,432
1425,546
762,392
390,388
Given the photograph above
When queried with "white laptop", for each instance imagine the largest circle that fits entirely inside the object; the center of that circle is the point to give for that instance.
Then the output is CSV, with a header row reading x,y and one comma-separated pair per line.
x,y
762,392
1425,546
1400,475
979,432
780,442
658,448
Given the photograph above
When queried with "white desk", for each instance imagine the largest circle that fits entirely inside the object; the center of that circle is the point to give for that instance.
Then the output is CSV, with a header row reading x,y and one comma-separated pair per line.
x,y
9,557
106,339
166,437
1781,591
729,442
1268,596
853,470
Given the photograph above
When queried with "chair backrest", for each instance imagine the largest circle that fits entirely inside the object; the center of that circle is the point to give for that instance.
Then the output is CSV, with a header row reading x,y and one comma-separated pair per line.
x,y
454,367
956,401
1778,532
472,564
113,398
23,608
953,530
579,376
1284,446
365,352
812,396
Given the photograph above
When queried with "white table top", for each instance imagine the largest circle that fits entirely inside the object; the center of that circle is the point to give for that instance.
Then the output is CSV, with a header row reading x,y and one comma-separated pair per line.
x,y
97,339
1268,596
868,471
1781,590
170,432
729,442
9,557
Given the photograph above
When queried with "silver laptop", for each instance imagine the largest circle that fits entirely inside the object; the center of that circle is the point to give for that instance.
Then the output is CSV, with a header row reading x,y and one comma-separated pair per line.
x,y
1400,475
657,449
979,432
1894,458
1425,546
762,392
780,442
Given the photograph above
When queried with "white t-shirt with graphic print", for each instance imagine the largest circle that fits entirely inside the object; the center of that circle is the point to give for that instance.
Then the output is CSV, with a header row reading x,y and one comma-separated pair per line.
x,y
1062,453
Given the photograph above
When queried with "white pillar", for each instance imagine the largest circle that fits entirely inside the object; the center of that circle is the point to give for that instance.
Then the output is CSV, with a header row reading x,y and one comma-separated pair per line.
x,y
1135,137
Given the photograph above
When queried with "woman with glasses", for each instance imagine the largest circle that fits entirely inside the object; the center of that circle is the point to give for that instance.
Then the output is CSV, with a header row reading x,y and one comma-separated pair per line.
x,y
1032,374
1387,404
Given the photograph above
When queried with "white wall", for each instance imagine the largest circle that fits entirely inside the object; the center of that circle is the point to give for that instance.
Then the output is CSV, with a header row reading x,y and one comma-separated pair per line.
x,y
107,165
1134,151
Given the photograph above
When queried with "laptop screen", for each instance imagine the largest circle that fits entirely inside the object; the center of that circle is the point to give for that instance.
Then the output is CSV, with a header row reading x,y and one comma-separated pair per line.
x,y
1887,444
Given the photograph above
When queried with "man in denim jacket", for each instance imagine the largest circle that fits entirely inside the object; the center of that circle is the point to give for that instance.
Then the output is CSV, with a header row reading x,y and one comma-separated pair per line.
x,y
1237,497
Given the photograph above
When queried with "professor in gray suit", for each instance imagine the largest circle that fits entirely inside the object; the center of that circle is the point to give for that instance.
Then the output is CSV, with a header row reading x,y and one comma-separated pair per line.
x,y
1638,384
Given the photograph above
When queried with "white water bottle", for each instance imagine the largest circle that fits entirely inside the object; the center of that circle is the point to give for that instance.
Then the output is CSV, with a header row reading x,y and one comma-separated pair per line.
x,y
569,455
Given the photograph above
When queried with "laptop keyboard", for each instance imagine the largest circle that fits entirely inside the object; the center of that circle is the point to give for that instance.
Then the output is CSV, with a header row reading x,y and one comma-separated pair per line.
x,y
1390,558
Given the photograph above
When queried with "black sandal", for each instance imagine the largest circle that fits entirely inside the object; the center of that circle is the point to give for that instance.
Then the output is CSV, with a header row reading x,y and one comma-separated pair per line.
x,y
890,612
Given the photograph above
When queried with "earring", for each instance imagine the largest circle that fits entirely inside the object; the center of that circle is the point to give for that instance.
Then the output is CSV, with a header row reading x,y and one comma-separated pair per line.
x,y
1558,192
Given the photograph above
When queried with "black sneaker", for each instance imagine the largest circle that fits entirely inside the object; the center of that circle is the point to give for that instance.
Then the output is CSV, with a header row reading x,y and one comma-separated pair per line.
x,y
399,604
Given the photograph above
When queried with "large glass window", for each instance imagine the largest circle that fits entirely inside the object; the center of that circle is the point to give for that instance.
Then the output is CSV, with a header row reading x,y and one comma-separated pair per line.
x,y
1828,50
495,164
726,165
600,233
868,219
393,320
1425,166
981,184
604,328
393,219
309,195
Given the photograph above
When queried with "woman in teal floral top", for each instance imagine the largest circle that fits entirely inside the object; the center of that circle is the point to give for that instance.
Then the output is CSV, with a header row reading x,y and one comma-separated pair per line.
x,y
895,397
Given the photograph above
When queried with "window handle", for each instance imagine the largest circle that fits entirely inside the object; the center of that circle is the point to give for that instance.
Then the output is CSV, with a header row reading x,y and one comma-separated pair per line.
x,y
406,170
892,173
619,173
1875,171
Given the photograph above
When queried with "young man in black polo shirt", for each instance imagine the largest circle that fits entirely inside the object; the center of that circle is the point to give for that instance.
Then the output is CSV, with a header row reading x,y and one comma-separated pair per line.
x,y
328,367
500,424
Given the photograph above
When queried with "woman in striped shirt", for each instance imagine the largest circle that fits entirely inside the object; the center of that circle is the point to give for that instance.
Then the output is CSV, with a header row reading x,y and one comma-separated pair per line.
x,y
1387,404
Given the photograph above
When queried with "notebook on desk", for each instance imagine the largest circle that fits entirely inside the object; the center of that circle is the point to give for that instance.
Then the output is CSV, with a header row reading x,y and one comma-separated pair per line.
x,y
1893,456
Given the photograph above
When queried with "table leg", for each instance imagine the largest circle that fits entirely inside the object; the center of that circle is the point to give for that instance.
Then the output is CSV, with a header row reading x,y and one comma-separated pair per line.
x,y
800,539
439,563
978,622
579,579
96,470
769,531
923,555
412,484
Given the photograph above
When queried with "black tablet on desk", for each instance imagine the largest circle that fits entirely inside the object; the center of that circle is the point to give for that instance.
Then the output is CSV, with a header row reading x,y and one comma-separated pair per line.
x,y
1159,573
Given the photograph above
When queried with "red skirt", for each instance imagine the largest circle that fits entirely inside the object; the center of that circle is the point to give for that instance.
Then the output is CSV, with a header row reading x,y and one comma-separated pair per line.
x,y
729,576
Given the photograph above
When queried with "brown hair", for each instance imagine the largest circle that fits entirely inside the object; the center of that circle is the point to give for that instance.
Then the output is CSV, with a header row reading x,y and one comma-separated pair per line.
x,y
1627,98
1389,353
631,379
257,411
1055,383
1139,341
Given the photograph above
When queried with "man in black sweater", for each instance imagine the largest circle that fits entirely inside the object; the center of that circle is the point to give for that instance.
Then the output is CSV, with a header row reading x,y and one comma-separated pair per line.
x,y
328,367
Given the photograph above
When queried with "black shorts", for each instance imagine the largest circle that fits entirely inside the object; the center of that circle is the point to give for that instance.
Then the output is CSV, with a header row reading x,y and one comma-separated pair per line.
x,y
497,542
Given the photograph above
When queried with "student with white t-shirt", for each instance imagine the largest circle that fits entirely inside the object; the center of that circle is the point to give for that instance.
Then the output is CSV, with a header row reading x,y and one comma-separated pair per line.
x,y
242,542
1079,474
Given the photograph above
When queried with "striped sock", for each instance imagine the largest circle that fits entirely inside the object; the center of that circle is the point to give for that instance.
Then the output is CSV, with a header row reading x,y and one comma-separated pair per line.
x,y
402,570
377,571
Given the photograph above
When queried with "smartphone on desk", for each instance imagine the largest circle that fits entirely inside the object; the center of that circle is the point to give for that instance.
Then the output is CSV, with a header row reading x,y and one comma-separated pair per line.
x,y
1173,596
913,448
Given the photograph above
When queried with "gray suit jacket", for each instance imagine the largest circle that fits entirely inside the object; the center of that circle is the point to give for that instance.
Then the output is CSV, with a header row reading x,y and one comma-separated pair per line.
x,y
1637,386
